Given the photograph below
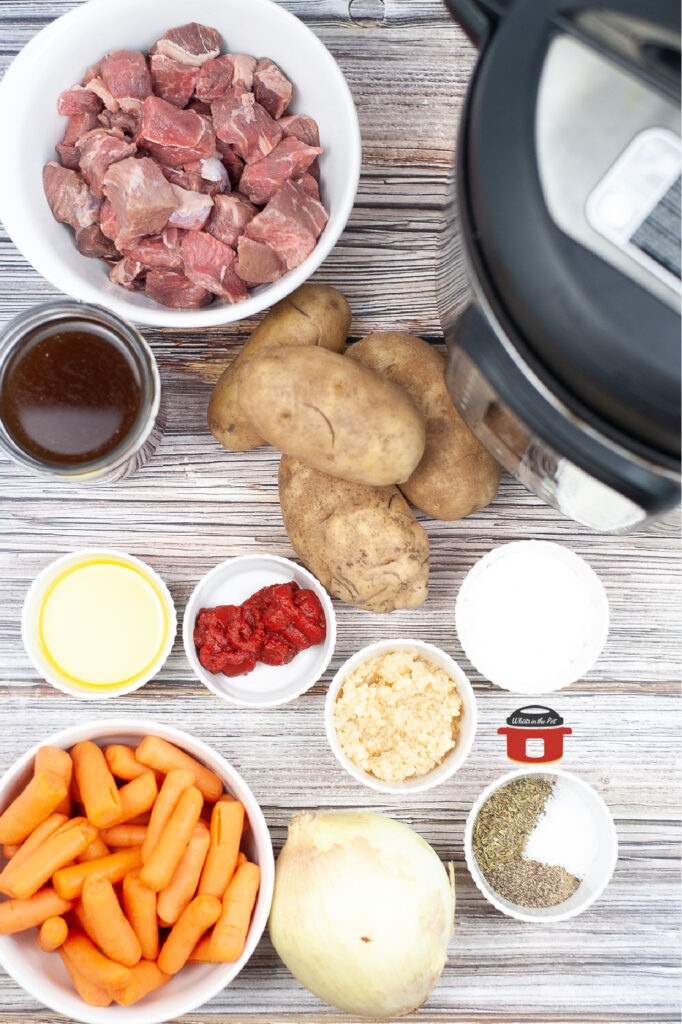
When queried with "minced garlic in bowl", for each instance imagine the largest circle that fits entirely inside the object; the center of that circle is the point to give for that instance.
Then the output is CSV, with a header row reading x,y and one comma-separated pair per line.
x,y
397,715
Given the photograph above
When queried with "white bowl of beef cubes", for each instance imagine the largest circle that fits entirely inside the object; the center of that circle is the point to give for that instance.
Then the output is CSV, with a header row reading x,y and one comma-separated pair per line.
x,y
181,173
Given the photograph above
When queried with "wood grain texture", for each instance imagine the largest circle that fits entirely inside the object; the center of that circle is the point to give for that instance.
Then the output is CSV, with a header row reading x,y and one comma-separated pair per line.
x,y
194,505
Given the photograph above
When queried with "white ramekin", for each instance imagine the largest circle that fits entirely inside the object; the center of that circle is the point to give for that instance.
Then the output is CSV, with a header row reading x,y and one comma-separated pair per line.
x,y
451,762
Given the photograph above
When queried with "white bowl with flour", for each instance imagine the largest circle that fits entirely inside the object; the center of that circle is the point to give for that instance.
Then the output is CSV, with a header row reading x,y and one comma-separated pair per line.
x,y
532,616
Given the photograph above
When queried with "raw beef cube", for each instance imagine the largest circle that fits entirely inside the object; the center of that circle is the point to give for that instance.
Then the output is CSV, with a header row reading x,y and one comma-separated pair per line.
x,y
229,217
173,82
244,124
174,136
271,87
199,107
215,78
128,273
233,164
142,198
108,221
91,242
291,223
257,262
158,251
94,71
301,127
191,44
172,288
99,149
263,178
78,100
243,68
69,197
97,86
126,75
77,125
309,186
127,122
192,211
210,264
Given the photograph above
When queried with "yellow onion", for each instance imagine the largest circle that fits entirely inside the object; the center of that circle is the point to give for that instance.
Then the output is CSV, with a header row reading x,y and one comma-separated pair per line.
x,y
363,912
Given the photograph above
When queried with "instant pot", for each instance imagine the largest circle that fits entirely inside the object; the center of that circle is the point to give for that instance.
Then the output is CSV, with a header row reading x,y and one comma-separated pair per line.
x,y
559,283
535,722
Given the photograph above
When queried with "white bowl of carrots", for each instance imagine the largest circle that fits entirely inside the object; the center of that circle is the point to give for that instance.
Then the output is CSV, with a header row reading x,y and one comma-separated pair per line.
x,y
137,872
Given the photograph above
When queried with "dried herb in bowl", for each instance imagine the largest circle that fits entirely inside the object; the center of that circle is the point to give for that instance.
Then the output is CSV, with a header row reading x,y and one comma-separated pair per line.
x,y
500,834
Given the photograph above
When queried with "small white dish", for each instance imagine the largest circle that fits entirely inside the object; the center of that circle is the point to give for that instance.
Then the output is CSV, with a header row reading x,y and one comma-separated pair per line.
x,y
44,976
596,877
451,762
518,638
58,56
32,634
266,686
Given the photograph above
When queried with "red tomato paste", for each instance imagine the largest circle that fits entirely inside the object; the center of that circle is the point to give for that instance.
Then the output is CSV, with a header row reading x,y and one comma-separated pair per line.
x,y
271,626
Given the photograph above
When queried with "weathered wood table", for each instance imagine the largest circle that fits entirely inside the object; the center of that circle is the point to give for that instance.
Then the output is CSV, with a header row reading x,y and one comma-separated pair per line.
x,y
194,505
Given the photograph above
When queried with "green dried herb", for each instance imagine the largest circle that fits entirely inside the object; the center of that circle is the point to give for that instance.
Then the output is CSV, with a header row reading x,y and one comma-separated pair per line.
x,y
528,883
506,820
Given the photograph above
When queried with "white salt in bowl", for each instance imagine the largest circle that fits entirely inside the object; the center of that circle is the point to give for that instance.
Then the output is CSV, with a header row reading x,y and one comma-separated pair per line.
x,y
532,616
266,686
44,976
452,761
597,836
57,57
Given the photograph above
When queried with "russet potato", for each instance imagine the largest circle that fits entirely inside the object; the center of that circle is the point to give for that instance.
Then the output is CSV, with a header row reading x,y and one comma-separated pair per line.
x,y
362,543
456,475
314,314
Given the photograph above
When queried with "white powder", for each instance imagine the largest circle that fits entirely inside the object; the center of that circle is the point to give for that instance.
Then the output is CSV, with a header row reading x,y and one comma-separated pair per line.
x,y
565,835
532,616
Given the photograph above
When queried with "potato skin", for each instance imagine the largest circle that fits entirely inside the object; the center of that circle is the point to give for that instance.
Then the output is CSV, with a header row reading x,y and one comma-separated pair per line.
x,y
314,314
456,475
362,543
335,415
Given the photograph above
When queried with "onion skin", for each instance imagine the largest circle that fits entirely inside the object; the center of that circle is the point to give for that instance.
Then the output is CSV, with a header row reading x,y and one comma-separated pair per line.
x,y
363,911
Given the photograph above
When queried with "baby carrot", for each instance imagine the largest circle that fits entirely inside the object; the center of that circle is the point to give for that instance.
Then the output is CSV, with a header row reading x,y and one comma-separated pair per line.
x,y
241,859
145,978
96,784
107,924
69,881
17,915
174,785
10,849
227,820
93,964
90,993
63,846
163,860
36,802
124,835
139,904
201,954
54,759
136,797
183,885
123,763
229,934
39,835
195,919
163,756
52,933
95,851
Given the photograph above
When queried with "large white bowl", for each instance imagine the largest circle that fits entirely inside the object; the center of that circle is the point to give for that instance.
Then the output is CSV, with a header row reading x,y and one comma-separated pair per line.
x,y
598,874
266,686
57,57
44,976
452,761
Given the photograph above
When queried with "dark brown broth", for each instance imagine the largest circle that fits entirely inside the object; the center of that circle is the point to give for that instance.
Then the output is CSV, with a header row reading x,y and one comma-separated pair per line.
x,y
70,394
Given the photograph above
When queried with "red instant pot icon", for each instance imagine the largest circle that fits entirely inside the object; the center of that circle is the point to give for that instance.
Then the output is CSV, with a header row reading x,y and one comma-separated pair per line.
x,y
535,722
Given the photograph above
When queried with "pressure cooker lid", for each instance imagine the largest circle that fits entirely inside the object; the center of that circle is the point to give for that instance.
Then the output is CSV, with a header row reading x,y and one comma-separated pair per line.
x,y
535,716
572,185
